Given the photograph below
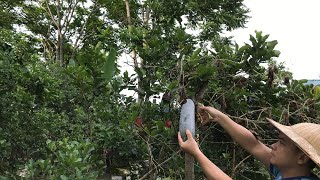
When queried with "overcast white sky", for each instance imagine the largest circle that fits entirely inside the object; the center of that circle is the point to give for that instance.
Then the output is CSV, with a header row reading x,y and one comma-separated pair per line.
x,y
296,26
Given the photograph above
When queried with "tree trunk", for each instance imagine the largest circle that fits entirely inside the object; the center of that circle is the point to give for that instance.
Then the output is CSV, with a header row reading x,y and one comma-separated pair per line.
x,y
60,36
57,50
133,53
61,49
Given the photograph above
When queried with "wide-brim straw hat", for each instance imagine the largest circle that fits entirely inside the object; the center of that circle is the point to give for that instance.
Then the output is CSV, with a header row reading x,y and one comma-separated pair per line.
x,y
306,136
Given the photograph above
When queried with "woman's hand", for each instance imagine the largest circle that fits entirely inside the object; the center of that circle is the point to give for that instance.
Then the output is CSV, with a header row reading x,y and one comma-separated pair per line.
x,y
190,145
215,115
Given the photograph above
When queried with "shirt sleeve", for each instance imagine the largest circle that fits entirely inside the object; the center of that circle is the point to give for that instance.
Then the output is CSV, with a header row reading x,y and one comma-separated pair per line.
x,y
274,171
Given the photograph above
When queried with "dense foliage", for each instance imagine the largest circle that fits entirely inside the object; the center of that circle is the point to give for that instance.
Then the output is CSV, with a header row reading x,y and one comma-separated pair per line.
x,y
63,113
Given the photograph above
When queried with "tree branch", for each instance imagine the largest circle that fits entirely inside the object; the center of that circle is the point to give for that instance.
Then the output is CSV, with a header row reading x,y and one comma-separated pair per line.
x,y
50,14
165,161
69,16
76,45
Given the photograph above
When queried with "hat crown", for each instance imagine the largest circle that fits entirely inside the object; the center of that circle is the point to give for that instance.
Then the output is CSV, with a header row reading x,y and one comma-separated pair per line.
x,y
309,132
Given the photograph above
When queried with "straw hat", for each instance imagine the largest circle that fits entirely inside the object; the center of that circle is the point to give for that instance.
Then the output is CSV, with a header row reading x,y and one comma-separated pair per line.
x,y
306,136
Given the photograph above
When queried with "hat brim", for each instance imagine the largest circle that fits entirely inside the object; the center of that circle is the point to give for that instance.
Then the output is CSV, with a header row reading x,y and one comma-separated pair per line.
x,y
299,141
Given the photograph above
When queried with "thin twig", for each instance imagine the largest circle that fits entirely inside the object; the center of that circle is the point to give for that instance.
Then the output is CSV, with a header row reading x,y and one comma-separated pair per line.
x,y
241,163
148,173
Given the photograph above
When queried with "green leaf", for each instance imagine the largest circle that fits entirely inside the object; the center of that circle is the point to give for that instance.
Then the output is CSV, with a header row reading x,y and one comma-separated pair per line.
x,y
258,35
72,63
154,132
226,155
126,75
78,172
172,85
244,48
272,44
194,57
253,41
141,72
63,177
98,47
276,53
230,62
264,38
3,178
316,91
109,67
302,81
204,71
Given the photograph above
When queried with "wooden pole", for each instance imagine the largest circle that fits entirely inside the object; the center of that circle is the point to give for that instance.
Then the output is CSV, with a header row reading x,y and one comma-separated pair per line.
x,y
189,167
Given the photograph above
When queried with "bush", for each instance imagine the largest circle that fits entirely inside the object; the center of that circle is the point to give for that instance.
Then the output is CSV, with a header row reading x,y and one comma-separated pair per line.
x,y
66,160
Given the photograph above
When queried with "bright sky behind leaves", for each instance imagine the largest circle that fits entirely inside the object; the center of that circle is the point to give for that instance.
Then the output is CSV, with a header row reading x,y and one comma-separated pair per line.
x,y
296,26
